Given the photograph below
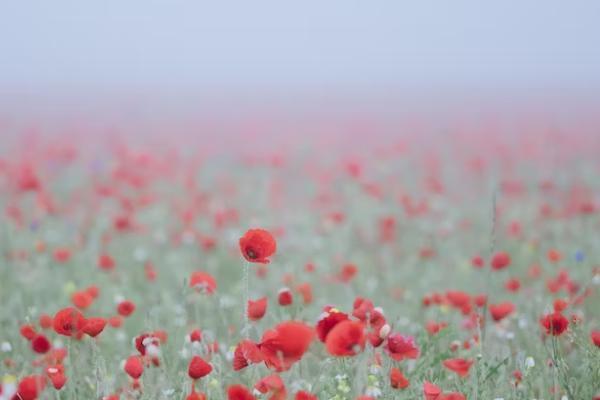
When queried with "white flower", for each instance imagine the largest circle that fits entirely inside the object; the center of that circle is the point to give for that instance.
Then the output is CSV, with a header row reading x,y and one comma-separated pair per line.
x,y
6,347
529,362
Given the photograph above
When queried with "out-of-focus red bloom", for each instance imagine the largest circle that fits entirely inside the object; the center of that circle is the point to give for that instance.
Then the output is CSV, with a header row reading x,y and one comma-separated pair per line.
x,y
512,285
196,335
347,338
272,384
460,300
126,308
257,245
397,379
62,255
56,374
459,365
196,396
239,392
28,331
387,229
501,310
433,328
302,395
554,255
555,324
560,305
595,336
347,273
480,300
82,299
477,262
198,368
500,260
68,321
431,391
30,387
305,290
106,262
285,344
400,347
94,326
203,282
284,297
45,321
257,308
327,321
134,367
246,353
40,344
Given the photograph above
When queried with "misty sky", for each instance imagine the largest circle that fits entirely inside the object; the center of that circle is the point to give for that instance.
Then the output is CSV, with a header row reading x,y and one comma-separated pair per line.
x,y
328,43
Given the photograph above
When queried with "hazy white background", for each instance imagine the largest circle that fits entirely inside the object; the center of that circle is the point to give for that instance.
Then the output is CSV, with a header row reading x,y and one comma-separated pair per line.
x,y
63,45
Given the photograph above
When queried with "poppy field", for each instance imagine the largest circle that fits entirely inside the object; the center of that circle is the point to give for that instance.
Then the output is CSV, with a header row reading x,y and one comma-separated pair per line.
x,y
447,266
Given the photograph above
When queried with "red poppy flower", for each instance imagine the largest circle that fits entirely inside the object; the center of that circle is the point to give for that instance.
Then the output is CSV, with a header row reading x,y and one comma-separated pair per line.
x,y
501,310
198,368
560,305
433,328
477,262
196,396
431,391
328,321
30,387
272,384
302,395
257,309
347,273
555,323
196,335
400,347
126,308
397,379
68,321
56,374
512,285
285,344
458,299
134,367
246,353
347,338
458,365
106,262
257,245
45,321
40,344
239,392
62,255
203,282
94,326
28,331
82,299
500,260
305,290
284,297
595,336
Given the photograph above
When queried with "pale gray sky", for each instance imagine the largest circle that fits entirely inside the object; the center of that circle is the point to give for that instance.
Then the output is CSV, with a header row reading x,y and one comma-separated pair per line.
x,y
77,44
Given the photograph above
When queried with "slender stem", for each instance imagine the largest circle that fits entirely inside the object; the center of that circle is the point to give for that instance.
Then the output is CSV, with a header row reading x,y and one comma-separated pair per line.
x,y
246,284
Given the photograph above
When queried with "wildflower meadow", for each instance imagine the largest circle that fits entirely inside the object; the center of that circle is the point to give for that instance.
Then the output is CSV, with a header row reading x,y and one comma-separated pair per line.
x,y
403,266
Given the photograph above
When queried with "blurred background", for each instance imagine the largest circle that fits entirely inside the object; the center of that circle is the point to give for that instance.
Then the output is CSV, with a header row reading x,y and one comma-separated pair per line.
x,y
263,60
